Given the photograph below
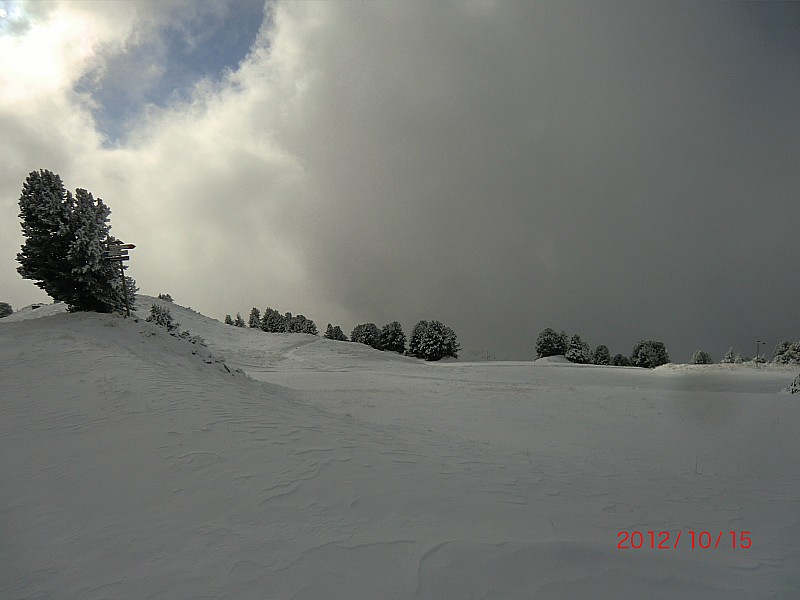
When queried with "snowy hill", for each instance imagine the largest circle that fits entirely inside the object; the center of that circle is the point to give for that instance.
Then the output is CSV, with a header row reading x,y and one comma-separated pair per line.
x,y
137,465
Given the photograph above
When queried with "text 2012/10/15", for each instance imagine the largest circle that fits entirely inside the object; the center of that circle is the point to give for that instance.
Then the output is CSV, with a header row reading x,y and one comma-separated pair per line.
x,y
665,540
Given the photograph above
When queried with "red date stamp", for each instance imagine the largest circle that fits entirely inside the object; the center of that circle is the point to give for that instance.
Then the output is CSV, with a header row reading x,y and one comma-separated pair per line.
x,y
667,540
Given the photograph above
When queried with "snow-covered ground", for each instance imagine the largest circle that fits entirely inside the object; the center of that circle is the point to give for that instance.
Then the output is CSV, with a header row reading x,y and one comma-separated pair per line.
x,y
133,465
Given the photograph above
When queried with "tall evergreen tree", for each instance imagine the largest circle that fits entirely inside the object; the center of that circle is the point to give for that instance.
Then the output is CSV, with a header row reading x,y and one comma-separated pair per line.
x,y
65,240
239,321
45,209
272,321
601,355
649,354
392,338
5,309
255,318
366,333
433,340
551,343
578,351
228,320
335,333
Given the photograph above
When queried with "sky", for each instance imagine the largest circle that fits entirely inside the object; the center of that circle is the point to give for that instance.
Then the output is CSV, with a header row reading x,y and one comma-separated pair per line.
x,y
619,170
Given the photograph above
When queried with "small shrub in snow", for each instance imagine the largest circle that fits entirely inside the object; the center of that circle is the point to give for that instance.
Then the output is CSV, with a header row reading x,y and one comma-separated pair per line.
x,y
432,340
551,343
161,316
239,321
700,357
5,309
228,320
392,338
334,332
649,354
366,333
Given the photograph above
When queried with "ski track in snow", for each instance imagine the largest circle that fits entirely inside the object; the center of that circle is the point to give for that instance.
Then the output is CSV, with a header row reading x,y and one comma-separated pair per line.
x,y
134,469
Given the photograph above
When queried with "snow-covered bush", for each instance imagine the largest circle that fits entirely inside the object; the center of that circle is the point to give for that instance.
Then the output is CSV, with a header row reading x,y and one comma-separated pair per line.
x,y
165,297
366,333
551,343
228,320
334,332
649,354
432,340
238,321
578,351
5,309
161,316
701,357
787,353
601,355
300,324
392,338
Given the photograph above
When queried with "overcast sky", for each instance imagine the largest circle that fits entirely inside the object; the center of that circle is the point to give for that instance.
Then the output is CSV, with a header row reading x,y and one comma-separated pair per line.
x,y
619,170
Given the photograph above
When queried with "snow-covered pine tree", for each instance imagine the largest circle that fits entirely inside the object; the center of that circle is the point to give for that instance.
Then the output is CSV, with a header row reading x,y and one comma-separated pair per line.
x,y
578,351
165,297
701,357
239,321
738,359
787,353
729,357
366,333
432,340
551,343
335,333
45,209
392,338
255,318
5,309
272,321
96,282
649,354
601,355
228,320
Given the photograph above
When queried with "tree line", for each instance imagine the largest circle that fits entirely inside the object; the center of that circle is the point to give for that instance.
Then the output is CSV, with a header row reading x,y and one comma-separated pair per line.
x,y
646,353
430,340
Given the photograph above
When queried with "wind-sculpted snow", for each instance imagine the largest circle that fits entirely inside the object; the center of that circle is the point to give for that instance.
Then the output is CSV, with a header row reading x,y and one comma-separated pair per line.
x,y
134,467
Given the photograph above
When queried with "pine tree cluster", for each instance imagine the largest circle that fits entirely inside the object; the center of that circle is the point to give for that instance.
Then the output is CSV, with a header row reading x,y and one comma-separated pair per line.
x,y
787,353
271,321
334,332
366,333
649,354
5,309
65,237
701,357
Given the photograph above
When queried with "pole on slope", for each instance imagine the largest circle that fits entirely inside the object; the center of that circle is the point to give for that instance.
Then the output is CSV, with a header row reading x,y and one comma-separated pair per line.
x,y
117,253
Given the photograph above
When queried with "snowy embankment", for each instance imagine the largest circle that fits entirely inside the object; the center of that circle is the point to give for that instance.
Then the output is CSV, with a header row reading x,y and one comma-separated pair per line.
x,y
133,468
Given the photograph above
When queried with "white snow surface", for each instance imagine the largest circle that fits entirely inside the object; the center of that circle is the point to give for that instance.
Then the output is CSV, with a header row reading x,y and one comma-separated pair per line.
x,y
135,465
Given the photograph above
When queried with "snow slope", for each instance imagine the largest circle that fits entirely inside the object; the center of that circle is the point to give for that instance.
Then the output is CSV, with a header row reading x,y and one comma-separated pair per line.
x,y
135,465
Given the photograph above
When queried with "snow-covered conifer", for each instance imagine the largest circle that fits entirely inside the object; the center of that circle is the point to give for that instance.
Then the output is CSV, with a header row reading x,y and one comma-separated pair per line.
x,y
551,343
649,354
700,357
255,318
228,320
165,297
161,316
366,333
238,321
601,355
392,338
578,351
334,332
5,309
729,357
432,340
786,353
272,321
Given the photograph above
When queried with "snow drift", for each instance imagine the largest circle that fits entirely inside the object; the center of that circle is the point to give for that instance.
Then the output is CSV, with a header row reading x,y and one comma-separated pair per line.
x,y
135,466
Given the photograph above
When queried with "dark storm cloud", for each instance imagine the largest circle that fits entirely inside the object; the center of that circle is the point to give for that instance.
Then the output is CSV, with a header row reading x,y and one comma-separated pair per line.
x,y
619,170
